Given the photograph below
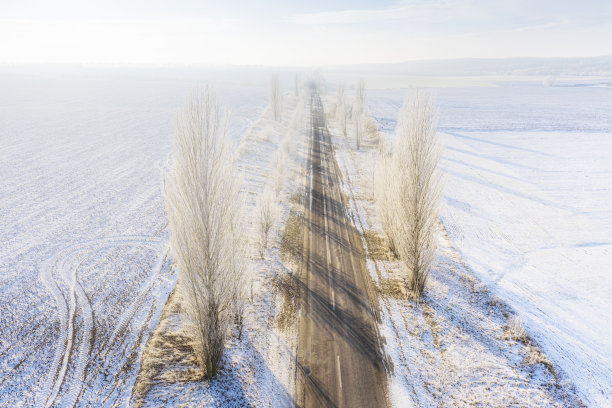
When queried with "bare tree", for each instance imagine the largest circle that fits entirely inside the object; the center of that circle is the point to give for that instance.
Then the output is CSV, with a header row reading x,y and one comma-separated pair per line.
x,y
358,112
279,165
411,190
342,117
360,92
275,98
340,97
202,200
266,207
371,128
384,191
359,128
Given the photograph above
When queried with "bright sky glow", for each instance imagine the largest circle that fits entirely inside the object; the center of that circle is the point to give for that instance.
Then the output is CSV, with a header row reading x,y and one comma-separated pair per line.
x,y
298,33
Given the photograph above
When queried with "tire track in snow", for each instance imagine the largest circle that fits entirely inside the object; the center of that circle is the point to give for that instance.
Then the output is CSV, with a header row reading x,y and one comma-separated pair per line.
x,y
52,285
59,266
77,293
119,335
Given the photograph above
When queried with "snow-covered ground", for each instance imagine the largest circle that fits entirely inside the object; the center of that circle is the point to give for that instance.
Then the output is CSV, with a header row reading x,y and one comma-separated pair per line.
x,y
529,207
83,267
84,274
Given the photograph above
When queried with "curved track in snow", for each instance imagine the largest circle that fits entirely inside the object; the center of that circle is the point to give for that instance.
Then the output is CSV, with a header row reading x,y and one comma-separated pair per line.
x,y
61,276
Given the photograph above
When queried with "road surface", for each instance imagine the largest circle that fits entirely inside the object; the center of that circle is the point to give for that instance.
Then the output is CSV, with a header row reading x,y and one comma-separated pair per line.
x,y
339,359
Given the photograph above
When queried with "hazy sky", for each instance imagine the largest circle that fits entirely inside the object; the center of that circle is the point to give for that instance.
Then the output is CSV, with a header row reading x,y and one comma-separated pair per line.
x,y
306,32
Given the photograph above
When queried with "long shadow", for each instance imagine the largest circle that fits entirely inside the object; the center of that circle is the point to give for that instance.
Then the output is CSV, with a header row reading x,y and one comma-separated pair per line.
x,y
227,388
472,166
510,191
492,158
319,230
316,387
359,334
319,267
522,149
328,315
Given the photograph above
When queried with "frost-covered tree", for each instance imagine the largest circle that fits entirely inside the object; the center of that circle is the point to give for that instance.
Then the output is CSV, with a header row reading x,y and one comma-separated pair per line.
x,y
360,92
360,118
340,96
267,209
203,205
408,189
275,98
359,127
342,113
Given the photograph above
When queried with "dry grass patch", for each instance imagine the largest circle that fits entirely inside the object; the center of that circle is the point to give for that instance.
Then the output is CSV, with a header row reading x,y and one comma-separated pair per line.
x,y
292,249
288,287
293,239
297,199
395,288
495,302
534,355
378,246
169,355
515,329
436,330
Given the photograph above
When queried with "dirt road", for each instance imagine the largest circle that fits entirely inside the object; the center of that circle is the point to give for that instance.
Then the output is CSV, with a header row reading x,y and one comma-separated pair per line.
x,y
338,354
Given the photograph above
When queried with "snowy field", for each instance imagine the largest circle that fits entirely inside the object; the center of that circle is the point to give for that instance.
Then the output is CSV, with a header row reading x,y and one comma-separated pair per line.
x,y
528,206
83,267
84,272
